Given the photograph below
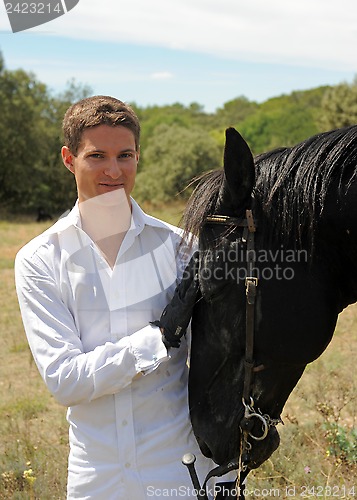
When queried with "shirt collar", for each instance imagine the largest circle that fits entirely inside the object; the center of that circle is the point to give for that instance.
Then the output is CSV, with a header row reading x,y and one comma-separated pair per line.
x,y
139,219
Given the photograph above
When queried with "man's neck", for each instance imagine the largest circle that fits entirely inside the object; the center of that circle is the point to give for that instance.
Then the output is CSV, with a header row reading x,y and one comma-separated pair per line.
x,y
106,219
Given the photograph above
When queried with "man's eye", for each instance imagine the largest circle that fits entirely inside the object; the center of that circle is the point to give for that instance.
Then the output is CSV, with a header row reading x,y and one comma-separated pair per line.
x,y
96,155
126,155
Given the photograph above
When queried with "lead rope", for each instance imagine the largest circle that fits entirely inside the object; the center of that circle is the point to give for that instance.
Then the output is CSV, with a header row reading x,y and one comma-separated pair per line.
x,y
241,471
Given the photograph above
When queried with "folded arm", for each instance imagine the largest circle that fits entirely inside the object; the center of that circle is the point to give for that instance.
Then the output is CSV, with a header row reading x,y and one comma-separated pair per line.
x,y
72,375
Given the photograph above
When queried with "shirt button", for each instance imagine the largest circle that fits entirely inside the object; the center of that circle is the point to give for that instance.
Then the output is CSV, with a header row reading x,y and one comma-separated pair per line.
x,y
127,465
124,423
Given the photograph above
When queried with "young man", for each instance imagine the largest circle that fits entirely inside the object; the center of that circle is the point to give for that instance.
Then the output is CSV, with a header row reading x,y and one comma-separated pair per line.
x,y
88,289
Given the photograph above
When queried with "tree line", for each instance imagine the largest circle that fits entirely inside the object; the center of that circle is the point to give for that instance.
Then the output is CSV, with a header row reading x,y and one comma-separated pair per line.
x,y
178,142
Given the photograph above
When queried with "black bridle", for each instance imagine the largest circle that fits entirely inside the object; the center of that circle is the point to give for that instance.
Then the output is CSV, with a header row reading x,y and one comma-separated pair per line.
x,y
250,414
251,282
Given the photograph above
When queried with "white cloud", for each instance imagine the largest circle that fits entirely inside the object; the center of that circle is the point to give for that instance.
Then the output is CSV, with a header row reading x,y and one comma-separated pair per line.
x,y
162,75
319,33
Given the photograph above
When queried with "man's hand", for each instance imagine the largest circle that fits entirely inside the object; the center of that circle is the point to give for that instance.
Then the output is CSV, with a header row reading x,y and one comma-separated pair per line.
x,y
177,314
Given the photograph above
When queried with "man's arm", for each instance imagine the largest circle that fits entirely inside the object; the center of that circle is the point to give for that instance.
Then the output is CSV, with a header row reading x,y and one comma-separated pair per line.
x,y
72,375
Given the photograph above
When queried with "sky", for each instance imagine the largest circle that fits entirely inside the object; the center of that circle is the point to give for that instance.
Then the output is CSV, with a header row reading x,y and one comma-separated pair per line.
x,y
157,52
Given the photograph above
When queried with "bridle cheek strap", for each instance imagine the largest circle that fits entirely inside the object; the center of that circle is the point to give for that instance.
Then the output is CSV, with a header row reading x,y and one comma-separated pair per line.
x,y
251,283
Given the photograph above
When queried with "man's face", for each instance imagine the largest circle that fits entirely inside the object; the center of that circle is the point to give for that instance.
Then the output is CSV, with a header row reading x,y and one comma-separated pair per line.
x,y
106,160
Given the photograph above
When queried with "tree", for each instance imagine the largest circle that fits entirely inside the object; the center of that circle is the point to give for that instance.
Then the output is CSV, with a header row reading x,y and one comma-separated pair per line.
x,y
283,121
286,126
178,142
23,138
339,106
234,112
174,156
31,170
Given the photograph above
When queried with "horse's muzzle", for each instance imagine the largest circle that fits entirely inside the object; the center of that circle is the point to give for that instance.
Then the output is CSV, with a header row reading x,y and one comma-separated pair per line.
x,y
260,451
222,452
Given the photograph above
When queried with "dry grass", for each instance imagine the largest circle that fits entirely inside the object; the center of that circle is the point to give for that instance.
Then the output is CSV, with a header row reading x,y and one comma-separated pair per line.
x,y
32,425
318,449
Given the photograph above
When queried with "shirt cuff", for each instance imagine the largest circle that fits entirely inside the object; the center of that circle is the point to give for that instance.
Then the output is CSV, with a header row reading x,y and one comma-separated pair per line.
x,y
148,349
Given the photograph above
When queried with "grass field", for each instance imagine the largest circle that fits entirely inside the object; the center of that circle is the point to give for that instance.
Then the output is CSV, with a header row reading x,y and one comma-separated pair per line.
x,y
317,456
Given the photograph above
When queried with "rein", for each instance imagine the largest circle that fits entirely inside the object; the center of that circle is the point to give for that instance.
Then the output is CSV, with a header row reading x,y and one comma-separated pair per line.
x,y
246,425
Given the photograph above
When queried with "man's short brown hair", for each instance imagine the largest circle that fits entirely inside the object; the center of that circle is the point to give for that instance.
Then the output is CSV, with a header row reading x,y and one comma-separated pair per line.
x,y
94,111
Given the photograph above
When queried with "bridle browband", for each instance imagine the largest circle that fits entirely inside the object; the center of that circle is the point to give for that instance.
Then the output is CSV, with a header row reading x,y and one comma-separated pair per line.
x,y
249,226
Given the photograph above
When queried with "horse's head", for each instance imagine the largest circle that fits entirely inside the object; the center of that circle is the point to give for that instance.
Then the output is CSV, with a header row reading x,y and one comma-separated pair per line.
x,y
255,292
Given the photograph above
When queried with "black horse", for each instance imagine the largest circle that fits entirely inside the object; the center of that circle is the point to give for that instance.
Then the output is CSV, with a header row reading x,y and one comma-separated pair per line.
x,y
278,263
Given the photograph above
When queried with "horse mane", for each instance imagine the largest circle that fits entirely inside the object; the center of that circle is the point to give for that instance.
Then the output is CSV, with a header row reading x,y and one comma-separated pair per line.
x,y
291,186
202,201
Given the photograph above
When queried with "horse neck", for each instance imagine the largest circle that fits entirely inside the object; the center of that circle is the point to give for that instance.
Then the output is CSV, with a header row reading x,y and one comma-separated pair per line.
x,y
336,237
330,250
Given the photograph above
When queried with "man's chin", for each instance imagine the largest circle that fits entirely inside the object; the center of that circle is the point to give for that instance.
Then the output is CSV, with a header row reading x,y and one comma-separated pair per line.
x,y
108,197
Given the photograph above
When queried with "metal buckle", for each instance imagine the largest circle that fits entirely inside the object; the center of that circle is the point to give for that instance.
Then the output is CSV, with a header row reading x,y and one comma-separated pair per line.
x,y
251,284
251,279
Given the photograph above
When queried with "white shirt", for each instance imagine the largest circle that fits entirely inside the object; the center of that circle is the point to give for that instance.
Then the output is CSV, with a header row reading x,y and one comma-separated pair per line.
x,y
88,329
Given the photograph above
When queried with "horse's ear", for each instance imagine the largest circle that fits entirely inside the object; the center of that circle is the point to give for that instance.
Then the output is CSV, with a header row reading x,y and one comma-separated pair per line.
x,y
239,175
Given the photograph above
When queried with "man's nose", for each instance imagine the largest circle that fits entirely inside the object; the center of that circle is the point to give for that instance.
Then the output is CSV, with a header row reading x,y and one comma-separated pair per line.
x,y
112,168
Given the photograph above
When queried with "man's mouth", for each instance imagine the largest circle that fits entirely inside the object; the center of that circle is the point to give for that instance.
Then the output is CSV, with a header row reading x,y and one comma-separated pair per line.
x,y
111,186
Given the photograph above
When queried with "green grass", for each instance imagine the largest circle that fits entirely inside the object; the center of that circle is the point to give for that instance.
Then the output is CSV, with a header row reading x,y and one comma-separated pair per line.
x,y
317,455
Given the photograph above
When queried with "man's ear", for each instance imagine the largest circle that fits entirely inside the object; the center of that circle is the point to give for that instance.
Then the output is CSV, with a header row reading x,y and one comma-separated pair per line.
x,y
67,158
